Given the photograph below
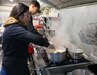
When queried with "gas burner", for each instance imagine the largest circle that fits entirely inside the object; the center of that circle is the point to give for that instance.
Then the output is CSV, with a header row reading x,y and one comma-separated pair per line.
x,y
55,64
75,60
78,60
52,64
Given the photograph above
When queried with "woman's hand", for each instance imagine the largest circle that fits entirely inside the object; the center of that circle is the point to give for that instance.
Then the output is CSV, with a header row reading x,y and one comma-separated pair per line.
x,y
51,47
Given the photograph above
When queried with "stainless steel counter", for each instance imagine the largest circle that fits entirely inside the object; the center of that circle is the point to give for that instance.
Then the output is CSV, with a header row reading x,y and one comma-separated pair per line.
x,y
39,63
67,68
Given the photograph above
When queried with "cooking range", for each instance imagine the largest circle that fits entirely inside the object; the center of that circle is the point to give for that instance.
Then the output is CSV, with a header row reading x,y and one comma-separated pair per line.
x,y
67,65
65,62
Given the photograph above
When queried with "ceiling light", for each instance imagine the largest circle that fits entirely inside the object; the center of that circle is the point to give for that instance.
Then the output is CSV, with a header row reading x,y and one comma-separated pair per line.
x,y
11,0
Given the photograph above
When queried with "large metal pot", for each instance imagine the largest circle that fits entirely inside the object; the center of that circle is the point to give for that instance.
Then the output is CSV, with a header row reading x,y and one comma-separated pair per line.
x,y
76,54
56,56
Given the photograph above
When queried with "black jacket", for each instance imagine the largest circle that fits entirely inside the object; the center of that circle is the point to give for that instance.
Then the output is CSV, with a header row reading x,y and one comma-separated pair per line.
x,y
31,28
16,39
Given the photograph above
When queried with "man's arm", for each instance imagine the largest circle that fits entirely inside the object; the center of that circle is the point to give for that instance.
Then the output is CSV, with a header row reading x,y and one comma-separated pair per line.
x,y
31,28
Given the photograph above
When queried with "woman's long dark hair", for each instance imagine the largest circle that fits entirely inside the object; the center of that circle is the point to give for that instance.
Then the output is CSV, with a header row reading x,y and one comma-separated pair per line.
x,y
18,10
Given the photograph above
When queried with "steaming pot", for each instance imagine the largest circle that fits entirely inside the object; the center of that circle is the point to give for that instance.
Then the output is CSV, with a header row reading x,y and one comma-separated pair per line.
x,y
56,56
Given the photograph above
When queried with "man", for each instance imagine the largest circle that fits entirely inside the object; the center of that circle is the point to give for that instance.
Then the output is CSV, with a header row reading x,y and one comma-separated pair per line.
x,y
34,8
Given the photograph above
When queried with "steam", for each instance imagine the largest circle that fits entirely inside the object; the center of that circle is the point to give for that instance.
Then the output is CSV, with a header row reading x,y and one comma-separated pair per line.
x,y
61,38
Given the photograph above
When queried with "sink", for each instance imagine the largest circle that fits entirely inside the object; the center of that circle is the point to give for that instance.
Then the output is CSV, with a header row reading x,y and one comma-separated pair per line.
x,y
66,68
92,69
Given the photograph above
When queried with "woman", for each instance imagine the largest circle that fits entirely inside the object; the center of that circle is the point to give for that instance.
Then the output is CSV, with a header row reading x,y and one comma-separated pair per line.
x,y
16,38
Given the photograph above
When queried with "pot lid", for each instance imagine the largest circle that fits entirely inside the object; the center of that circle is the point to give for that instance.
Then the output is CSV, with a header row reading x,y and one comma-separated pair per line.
x,y
76,50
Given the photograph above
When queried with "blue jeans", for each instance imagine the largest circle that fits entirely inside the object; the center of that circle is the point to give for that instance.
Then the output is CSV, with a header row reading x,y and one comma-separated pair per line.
x,y
2,72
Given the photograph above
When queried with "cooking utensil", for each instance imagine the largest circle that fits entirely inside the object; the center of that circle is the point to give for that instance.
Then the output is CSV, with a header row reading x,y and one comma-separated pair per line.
x,y
76,54
56,55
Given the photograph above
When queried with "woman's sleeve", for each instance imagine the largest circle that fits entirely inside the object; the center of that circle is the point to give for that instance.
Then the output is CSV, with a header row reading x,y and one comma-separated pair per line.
x,y
22,34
